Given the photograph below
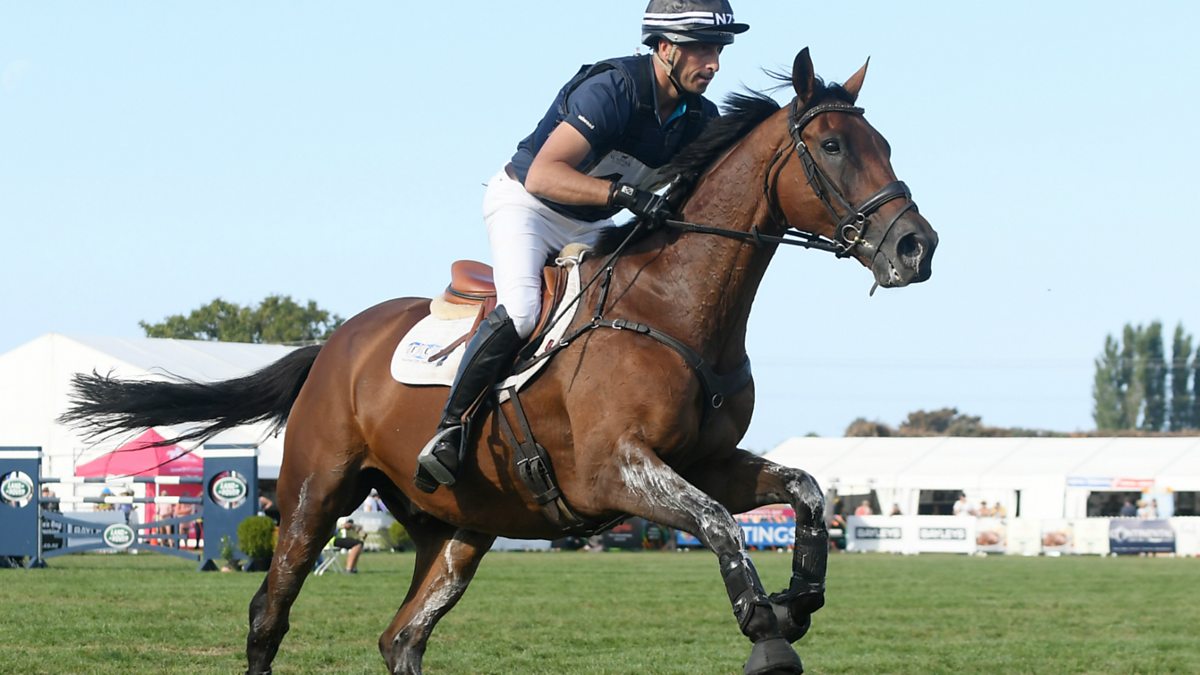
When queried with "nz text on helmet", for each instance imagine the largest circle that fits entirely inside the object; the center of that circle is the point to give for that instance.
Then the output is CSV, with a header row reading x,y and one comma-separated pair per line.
x,y
707,21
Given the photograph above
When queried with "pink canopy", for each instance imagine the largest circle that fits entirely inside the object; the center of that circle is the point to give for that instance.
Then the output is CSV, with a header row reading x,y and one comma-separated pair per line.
x,y
140,457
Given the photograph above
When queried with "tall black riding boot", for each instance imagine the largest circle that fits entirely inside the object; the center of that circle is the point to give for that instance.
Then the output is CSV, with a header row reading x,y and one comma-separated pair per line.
x,y
489,353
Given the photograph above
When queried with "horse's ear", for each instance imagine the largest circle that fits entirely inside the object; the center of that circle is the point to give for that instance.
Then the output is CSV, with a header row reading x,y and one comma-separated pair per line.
x,y
854,84
804,80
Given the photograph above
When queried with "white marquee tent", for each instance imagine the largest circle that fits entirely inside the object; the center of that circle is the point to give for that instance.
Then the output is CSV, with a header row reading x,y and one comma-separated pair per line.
x,y
1049,477
34,381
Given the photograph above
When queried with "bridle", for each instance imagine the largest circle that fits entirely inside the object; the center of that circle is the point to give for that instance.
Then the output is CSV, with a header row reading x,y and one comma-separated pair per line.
x,y
852,227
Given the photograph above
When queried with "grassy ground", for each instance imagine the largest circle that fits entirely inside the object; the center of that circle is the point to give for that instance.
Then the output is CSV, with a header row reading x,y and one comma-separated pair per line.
x,y
618,613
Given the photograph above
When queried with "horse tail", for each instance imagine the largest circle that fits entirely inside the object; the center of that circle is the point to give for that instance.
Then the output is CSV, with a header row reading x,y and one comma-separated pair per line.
x,y
102,405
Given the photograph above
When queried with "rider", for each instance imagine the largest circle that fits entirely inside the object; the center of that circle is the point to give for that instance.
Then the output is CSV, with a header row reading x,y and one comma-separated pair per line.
x,y
595,152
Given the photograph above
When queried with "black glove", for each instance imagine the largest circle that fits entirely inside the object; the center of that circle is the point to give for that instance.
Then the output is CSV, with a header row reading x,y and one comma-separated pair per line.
x,y
643,203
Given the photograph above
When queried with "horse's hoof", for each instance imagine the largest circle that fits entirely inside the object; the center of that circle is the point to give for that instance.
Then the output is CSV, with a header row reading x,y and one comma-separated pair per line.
x,y
773,656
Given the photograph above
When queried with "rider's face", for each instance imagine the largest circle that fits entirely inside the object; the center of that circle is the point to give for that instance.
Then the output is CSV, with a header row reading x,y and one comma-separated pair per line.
x,y
696,64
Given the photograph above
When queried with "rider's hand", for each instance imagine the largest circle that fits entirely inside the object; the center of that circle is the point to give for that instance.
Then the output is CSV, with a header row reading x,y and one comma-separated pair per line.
x,y
643,203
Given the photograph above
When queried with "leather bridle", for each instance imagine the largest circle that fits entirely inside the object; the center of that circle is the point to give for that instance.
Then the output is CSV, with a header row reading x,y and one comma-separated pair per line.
x,y
853,223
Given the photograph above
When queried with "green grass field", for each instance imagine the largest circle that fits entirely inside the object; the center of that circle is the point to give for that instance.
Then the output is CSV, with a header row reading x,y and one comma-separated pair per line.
x,y
618,613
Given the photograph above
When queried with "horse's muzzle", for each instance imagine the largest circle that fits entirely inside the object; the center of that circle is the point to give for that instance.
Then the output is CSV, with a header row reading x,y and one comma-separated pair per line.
x,y
906,256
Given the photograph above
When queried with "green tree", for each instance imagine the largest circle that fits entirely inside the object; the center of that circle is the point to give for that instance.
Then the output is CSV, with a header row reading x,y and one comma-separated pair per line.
x,y
1154,377
1182,414
1107,410
1130,377
277,320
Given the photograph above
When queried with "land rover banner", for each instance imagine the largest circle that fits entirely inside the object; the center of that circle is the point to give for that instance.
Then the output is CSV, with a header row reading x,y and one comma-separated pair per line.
x,y
1131,535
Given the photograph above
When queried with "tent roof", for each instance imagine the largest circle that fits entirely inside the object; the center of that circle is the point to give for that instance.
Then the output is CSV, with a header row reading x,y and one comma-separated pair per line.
x,y
36,378
140,457
941,462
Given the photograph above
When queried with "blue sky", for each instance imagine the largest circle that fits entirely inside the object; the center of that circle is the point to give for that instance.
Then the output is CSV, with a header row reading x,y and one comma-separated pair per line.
x,y
154,156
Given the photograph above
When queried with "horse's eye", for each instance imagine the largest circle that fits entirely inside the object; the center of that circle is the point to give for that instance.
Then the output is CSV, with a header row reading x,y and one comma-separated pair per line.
x,y
831,146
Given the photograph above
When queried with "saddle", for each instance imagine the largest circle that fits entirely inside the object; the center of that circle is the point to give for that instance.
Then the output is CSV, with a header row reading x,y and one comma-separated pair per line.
x,y
472,291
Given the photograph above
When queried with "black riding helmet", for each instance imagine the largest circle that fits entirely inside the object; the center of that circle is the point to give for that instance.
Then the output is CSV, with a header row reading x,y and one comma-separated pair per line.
x,y
680,21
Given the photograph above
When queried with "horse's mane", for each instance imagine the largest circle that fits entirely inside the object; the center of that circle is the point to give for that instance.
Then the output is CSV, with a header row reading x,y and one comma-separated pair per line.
x,y
742,113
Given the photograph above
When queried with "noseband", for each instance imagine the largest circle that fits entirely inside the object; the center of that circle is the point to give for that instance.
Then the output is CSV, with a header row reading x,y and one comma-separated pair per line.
x,y
851,229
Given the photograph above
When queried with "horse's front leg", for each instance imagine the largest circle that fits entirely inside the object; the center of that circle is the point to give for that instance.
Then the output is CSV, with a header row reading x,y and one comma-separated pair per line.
x,y
744,481
642,485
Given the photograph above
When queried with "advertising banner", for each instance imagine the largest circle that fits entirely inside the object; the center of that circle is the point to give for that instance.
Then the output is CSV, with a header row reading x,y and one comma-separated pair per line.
x,y
991,535
1058,536
764,527
1130,535
944,534
876,533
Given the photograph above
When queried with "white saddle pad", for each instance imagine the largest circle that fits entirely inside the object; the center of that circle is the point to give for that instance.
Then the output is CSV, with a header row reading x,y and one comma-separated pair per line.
x,y
411,364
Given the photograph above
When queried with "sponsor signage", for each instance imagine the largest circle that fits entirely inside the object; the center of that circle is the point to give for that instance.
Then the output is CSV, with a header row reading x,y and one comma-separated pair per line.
x,y
17,489
118,536
229,489
1131,535
764,527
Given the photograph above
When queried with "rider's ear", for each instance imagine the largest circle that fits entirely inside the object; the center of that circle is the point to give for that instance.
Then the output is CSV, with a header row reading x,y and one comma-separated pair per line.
x,y
803,78
854,84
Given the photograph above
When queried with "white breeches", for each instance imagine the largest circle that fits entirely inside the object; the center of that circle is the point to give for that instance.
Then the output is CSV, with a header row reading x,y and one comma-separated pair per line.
x,y
524,233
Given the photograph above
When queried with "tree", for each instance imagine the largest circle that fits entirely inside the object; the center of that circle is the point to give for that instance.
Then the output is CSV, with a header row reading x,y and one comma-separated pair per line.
x,y
277,320
1107,410
863,427
1182,413
1154,377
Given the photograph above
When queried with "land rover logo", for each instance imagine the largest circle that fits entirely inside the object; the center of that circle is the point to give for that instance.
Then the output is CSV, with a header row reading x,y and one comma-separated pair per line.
x,y
229,489
118,535
17,488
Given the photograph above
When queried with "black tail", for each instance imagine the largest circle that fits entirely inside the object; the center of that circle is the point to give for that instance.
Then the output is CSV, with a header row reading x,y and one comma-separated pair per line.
x,y
102,405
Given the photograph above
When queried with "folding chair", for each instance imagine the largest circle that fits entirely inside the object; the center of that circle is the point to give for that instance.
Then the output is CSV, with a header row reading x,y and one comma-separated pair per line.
x,y
332,558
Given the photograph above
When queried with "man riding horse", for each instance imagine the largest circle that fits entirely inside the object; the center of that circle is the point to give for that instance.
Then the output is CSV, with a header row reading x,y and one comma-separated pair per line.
x,y
594,152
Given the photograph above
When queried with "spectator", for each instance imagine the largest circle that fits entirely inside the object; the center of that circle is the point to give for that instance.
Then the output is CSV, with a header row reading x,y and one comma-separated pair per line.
x,y
1128,510
998,511
267,508
1152,509
895,510
837,532
864,509
49,506
984,510
349,537
373,504
962,507
1143,509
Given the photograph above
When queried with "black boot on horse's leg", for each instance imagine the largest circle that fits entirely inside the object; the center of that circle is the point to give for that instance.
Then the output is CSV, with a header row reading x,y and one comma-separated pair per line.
x,y
488,354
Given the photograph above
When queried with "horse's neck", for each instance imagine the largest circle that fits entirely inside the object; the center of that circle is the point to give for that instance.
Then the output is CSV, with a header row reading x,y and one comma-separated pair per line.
x,y
712,280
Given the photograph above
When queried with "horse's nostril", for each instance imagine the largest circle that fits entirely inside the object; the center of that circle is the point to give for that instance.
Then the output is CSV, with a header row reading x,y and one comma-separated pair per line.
x,y
910,250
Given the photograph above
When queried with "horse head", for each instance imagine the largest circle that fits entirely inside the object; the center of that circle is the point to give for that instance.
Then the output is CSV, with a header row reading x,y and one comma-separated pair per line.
x,y
843,187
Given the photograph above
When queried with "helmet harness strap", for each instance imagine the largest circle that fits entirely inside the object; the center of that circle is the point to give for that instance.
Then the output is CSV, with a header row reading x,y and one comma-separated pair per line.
x,y
669,66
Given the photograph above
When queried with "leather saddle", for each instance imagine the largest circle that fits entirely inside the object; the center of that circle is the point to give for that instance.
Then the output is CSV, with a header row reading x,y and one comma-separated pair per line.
x,y
472,291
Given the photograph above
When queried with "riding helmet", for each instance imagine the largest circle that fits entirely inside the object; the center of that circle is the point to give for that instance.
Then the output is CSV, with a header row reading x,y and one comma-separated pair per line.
x,y
707,21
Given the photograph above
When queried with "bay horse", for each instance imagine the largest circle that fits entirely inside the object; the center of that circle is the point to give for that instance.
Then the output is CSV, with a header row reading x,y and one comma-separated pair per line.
x,y
632,426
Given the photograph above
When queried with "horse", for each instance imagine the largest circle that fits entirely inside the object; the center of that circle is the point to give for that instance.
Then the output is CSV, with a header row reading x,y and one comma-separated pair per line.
x,y
638,415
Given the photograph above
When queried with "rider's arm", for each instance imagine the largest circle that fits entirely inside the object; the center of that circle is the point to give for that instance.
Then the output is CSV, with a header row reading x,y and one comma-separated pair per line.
x,y
553,176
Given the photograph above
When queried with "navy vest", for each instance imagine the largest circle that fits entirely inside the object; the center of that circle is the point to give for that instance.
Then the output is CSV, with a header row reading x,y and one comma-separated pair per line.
x,y
628,143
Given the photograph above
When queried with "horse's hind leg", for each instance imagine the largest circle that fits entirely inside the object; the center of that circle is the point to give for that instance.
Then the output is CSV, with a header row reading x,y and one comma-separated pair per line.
x,y
745,481
310,500
653,490
446,562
